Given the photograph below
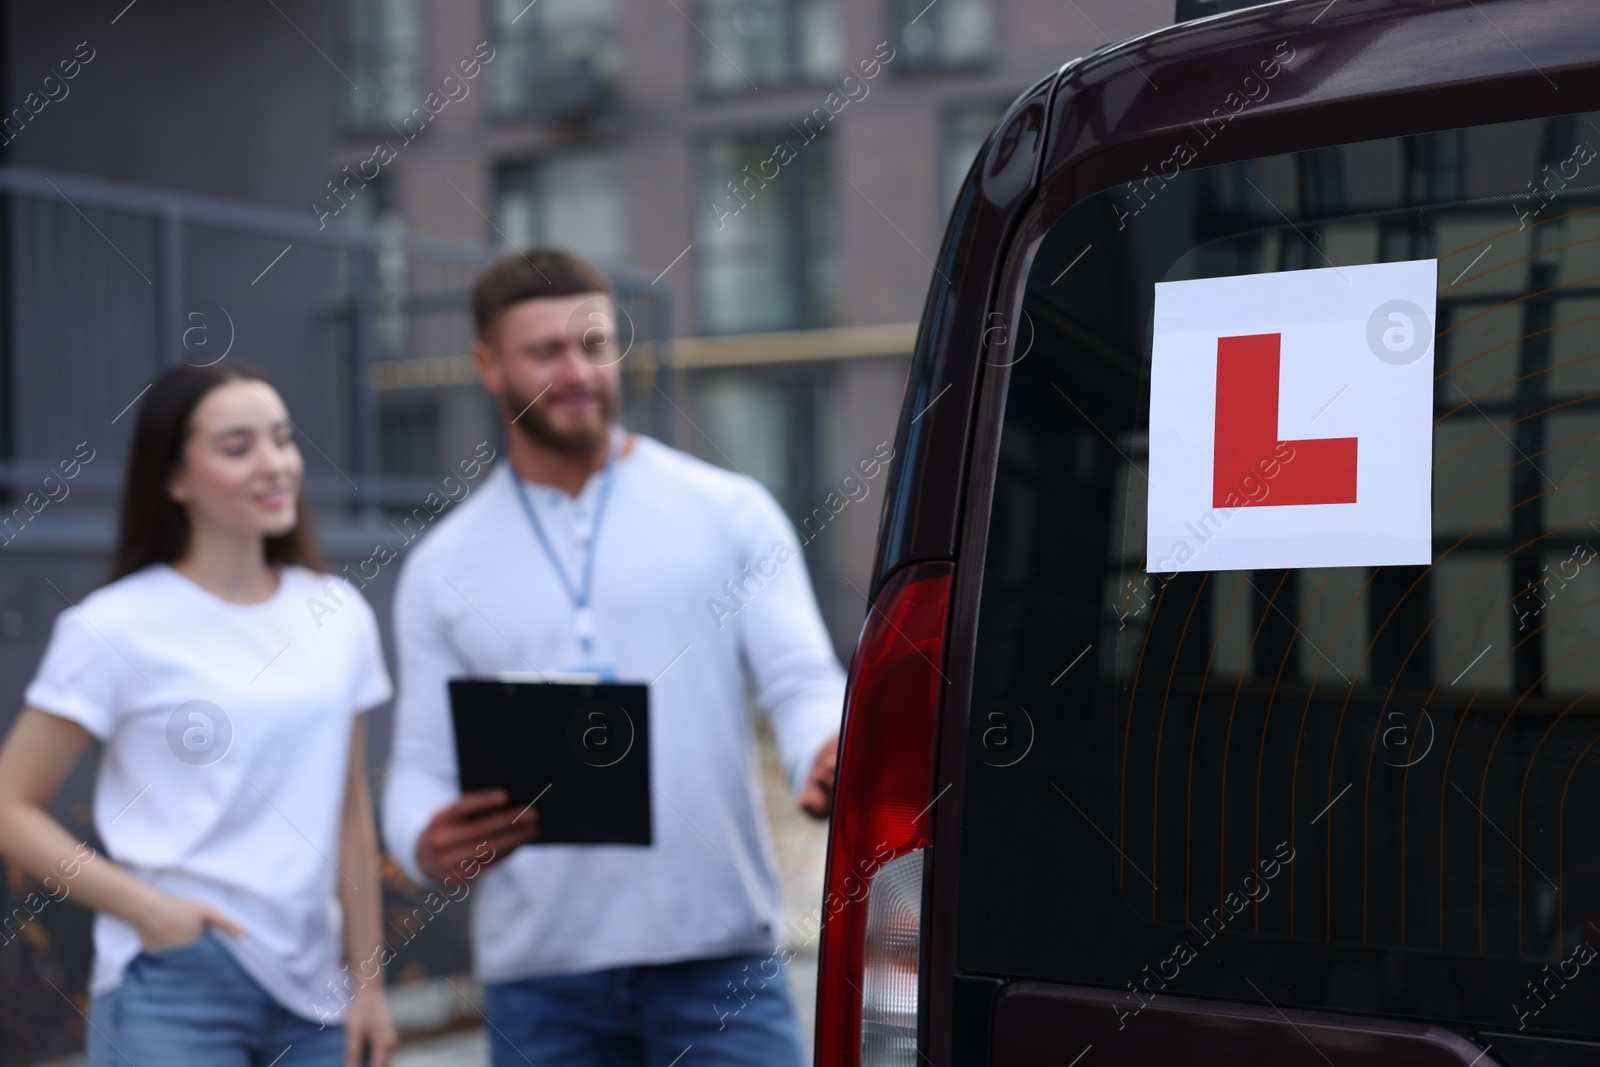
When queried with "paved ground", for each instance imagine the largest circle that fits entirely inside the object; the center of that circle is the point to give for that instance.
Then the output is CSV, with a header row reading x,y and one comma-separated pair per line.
x,y
432,1006
469,1047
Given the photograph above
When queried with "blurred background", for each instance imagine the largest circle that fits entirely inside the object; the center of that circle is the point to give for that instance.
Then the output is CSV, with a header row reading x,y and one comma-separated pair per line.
x,y
312,188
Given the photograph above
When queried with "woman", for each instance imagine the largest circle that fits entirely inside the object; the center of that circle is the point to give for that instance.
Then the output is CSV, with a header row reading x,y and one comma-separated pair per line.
x,y
231,795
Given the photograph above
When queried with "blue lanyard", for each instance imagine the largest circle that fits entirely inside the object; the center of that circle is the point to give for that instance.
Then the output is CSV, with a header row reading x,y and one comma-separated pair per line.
x,y
579,595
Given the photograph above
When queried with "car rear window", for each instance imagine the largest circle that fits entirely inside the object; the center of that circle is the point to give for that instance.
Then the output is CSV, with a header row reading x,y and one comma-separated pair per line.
x,y
1370,789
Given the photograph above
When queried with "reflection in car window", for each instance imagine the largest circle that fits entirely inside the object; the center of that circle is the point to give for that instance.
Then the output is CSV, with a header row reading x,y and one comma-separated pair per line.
x,y
1411,752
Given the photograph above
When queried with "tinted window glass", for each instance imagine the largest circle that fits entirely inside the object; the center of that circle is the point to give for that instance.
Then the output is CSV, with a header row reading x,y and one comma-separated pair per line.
x,y
1362,788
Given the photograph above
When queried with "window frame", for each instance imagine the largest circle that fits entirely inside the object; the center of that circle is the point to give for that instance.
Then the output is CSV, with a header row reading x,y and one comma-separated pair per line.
x,y
895,12
702,51
534,170
351,124
816,310
606,84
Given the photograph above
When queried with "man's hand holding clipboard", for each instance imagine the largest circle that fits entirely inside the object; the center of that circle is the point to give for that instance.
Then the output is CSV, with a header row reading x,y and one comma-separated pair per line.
x,y
577,747
458,831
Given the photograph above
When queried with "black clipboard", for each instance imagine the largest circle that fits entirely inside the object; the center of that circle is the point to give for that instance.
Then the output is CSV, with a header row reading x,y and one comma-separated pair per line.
x,y
578,750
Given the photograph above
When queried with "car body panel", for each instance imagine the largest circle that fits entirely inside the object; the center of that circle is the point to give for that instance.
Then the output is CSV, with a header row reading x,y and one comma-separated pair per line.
x,y
1359,69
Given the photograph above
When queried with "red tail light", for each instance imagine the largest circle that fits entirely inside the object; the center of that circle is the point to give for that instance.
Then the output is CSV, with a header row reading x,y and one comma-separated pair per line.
x,y
885,783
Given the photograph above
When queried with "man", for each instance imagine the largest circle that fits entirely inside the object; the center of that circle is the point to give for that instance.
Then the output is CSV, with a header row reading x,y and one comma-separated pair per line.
x,y
611,955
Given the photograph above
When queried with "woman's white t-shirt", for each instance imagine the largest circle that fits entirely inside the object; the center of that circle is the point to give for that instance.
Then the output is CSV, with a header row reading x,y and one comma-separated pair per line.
x,y
226,731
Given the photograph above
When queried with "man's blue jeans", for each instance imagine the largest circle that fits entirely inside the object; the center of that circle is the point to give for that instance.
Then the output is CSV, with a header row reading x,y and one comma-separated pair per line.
x,y
733,1012
193,1006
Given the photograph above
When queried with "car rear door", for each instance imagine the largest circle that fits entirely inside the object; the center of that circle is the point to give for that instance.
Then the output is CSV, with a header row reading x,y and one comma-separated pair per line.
x,y
1247,810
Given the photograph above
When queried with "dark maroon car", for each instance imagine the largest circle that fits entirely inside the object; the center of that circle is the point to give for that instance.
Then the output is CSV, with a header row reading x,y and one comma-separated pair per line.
x,y
1099,807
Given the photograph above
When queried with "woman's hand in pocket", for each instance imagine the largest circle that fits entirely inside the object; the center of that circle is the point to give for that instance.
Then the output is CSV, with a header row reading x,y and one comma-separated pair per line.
x,y
168,921
367,1028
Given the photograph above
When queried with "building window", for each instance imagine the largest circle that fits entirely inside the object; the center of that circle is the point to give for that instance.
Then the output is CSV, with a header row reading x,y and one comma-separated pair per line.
x,y
571,200
755,44
408,438
374,207
965,130
1436,166
381,47
765,244
765,426
946,33
1435,170
554,58
1320,174
371,202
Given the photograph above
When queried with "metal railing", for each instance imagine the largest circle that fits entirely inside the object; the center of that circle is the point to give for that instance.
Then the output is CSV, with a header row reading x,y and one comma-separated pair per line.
x,y
104,284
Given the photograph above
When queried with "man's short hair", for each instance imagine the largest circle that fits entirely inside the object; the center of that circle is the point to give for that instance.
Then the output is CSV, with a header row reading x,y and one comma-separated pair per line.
x,y
529,275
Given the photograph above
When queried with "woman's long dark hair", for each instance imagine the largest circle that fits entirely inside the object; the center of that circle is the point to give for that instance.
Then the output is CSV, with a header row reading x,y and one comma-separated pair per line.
x,y
154,528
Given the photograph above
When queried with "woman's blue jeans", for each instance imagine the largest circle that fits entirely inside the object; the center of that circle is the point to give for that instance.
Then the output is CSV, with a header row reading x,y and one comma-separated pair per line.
x,y
193,1006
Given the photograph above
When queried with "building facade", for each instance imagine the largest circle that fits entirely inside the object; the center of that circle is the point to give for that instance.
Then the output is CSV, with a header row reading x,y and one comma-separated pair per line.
x,y
781,168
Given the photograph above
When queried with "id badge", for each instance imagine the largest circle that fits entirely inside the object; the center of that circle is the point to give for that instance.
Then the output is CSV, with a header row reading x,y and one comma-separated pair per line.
x,y
603,672
582,674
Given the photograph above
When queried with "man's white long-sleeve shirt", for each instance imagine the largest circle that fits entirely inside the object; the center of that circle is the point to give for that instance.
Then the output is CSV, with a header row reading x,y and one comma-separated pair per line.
x,y
479,596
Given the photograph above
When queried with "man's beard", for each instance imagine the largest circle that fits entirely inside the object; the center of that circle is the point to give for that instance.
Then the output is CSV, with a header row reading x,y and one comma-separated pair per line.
x,y
534,422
